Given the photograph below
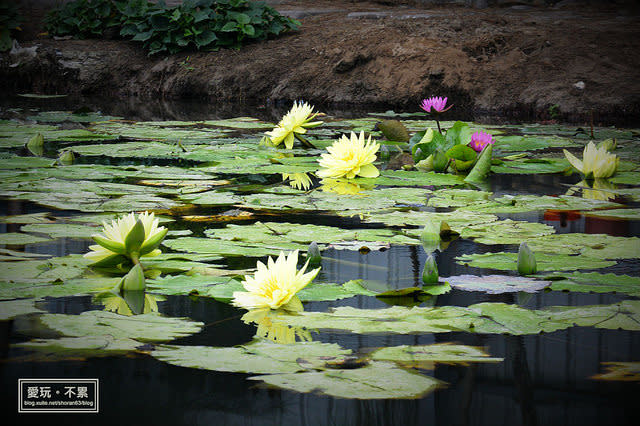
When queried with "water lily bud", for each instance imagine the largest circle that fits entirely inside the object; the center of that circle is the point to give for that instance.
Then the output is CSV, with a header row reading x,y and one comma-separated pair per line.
x,y
35,145
134,280
440,161
66,158
526,260
135,238
430,271
430,237
313,254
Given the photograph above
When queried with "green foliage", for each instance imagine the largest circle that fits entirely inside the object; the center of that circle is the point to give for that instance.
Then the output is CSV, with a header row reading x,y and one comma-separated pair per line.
x,y
82,18
199,24
9,20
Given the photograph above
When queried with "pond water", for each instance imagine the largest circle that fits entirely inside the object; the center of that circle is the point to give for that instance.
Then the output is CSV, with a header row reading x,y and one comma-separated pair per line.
x,y
473,352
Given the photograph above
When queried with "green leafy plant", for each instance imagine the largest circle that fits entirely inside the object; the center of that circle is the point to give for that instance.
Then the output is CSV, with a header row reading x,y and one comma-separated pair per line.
x,y
194,24
9,21
82,18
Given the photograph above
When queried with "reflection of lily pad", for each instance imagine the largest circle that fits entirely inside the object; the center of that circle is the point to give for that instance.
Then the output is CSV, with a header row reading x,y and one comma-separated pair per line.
x,y
546,262
495,284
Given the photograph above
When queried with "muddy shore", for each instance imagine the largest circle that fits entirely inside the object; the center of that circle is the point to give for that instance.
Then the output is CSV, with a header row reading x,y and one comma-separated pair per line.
x,y
571,62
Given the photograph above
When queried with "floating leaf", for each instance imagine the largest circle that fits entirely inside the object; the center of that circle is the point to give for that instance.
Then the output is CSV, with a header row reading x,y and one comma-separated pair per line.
x,y
593,282
261,357
150,327
20,239
437,353
546,262
79,347
496,284
13,308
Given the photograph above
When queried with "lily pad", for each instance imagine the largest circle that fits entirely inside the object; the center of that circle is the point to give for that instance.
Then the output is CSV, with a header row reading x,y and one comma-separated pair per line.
x,y
62,230
151,327
496,284
506,231
436,353
13,308
597,246
70,287
593,282
546,262
79,347
378,380
261,357
20,239
632,214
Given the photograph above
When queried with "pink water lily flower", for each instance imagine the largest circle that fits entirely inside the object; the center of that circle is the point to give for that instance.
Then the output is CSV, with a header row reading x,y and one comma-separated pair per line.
x,y
479,140
435,104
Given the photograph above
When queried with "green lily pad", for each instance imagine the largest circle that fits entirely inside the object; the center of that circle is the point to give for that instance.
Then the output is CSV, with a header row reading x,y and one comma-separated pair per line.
x,y
62,230
496,284
60,116
79,347
27,218
228,248
13,308
525,203
532,166
546,262
70,287
506,231
597,246
261,357
49,270
19,239
457,197
378,380
632,214
593,282
151,327
438,352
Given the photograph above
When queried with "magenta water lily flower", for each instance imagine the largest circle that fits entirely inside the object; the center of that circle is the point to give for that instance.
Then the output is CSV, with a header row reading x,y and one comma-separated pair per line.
x,y
479,140
435,104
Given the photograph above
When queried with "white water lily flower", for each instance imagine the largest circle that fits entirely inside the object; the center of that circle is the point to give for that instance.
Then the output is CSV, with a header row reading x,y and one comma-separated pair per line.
x,y
296,121
275,285
113,243
596,162
350,157
298,180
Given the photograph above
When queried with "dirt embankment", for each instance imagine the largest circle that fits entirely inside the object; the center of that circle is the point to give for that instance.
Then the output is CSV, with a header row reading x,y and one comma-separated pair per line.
x,y
518,60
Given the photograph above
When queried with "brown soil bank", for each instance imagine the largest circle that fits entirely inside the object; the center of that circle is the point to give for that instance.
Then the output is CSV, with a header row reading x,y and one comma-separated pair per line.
x,y
517,59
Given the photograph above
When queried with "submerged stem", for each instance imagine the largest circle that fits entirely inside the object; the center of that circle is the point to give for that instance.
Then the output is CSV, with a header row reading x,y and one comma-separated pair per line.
x,y
305,142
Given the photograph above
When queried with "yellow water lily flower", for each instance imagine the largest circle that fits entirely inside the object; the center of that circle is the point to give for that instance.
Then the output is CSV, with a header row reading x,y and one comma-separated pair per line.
x,y
350,157
596,162
128,236
267,328
275,285
296,121
297,180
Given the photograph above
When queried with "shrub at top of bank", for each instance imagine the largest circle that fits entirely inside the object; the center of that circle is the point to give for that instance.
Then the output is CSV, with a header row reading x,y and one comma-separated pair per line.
x,y
9,21
200,24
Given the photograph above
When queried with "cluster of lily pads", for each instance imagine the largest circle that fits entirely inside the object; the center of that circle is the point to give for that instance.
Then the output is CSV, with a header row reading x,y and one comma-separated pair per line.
x,y
406,184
